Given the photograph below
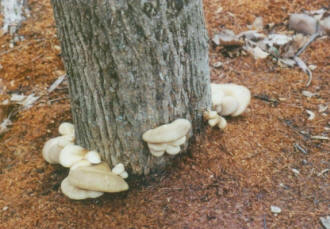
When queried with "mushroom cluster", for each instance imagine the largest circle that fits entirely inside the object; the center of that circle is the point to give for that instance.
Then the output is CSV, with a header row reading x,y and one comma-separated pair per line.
x,y
230,99
227,100
167,138
89,177
215,119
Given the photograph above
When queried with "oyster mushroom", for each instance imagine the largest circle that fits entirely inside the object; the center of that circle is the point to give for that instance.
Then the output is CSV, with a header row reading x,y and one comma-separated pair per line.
x,y
97,178
234,100
66,128
119,169
93,157
53,147
71,154
76,193
167,137
214,119
229,105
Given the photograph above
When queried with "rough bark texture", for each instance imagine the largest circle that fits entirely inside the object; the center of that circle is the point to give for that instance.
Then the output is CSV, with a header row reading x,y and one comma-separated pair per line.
x,y
133,65
14,13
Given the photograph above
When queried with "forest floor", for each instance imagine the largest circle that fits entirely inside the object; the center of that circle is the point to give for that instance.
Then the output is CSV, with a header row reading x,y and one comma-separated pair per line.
x,y
228,179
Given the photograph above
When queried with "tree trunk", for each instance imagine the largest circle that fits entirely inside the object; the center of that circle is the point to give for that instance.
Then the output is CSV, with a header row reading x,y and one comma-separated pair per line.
x,y
133,65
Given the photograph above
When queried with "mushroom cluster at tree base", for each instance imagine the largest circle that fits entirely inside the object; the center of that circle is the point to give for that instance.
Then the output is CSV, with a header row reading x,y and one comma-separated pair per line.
x,y
89,177
167,138
227,100
230,99
214,119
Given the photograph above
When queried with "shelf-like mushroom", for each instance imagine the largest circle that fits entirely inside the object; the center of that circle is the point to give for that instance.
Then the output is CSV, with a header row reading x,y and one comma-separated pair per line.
x,y
70,154
77,193
167,138
53,147
97,178
230,99
168,132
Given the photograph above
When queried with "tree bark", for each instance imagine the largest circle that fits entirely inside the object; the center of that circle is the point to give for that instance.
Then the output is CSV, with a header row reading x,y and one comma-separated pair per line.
x,y
133,65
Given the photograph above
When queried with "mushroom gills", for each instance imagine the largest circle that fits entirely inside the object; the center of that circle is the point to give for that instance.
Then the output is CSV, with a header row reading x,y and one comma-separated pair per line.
x,y
76,193
97,178
179,142
157,153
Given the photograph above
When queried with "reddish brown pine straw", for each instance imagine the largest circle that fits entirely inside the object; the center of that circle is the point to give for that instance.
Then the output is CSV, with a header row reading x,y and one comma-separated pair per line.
x,y
228,179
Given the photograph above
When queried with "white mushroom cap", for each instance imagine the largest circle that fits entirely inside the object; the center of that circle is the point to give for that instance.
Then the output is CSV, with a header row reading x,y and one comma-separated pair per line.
x,y
81,163
157,153
53,147
118,169
93,157
124,175
240,93
210,115
228,106
76,193
213,122
66,128
172,150
98,178
222,123
216,94
168,132
71,154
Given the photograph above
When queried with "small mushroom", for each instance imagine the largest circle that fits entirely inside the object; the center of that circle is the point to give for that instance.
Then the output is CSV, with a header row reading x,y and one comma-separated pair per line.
x,y
93,157
53,147
222,123
76,193
97,178
214,122
71,154
214,119
210,115
119,169
66,128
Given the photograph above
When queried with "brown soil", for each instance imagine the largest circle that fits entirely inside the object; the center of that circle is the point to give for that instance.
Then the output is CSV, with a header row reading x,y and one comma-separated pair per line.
x,y
229,179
